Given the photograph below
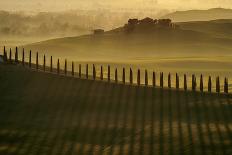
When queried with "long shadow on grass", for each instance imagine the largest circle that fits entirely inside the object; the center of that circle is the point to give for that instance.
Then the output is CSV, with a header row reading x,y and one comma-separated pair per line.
x,y
227,118
161,125
124,119
188,112
32,132
215,112
53,130
143,119
83,108
95,137
198,113
135,103
225,115
8,110
205,110
179,120
152,118
170,120
116,120
76,109
93,104
106,131
66,120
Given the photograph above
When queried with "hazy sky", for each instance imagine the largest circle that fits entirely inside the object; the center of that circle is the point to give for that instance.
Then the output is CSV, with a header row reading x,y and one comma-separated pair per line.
x,y
61,5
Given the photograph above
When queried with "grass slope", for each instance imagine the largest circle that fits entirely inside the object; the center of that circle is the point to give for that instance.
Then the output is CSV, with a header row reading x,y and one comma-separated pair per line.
x,y
116,45
42,113
200,15
219,28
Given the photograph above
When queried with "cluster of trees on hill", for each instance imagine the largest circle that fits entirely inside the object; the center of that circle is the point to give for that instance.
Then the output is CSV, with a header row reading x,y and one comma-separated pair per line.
x,y
149,22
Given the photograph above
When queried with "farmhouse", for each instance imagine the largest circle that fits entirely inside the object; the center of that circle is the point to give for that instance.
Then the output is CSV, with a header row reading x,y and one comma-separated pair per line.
x,y
98,31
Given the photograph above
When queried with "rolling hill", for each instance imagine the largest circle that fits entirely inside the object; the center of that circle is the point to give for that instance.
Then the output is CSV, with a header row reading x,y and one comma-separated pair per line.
x,y
188,40
200,15
217,28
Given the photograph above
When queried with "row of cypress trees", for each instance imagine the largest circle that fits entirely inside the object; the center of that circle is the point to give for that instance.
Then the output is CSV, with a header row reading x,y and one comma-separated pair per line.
x,y
194,81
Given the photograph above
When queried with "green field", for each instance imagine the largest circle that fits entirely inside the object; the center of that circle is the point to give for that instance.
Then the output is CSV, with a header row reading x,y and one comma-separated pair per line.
x,y
42,113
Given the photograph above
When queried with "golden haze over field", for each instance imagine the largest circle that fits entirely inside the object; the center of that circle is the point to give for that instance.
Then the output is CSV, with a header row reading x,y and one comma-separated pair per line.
x,y
60,5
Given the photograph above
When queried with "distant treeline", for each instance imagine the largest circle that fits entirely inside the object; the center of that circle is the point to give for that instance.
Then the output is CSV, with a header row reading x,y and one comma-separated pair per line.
x,y
71,23
149,23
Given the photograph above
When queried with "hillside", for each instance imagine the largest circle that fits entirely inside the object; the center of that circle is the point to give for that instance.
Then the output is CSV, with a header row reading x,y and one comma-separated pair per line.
x,y
48,114
188,40
217,28
19,27
200,15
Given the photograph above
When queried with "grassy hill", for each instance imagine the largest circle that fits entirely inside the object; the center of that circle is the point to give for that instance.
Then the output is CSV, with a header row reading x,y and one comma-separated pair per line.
x,y
194,48
217,28
41,113
200,15
118,45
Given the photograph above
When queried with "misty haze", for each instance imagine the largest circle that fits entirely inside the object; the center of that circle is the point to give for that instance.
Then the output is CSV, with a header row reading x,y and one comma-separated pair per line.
x,y
116,77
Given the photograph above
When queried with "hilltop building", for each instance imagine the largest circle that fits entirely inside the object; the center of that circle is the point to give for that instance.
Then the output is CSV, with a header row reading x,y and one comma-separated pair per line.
x,y
98,31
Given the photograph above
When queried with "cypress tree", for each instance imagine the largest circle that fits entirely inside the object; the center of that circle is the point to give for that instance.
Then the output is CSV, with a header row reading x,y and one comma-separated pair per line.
x,y
65,67
51,65
169,80
201,83
177,81
87,71
30,59
16,55
37,60
226,85
131,76
23,58
58,66
185,82
138,77
193,82
10,56
218,85
209,84
116,75
79,70
94,72
101,76
72,68
154,79
123,76
44,63
161,80
146,78
108,73
5,54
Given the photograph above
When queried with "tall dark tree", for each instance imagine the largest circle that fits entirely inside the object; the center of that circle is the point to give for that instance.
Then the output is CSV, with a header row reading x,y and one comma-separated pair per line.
x,y
185,82
16,55
209,84
123,75
116,75
154,79
138,77
146,78
51,65
23,57
131,76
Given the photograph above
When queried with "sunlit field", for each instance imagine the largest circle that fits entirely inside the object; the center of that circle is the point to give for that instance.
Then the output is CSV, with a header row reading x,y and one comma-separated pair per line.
x,y
207,66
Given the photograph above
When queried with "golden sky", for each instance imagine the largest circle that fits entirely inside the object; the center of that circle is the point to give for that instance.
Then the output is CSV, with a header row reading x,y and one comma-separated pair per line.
x,y
61,5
